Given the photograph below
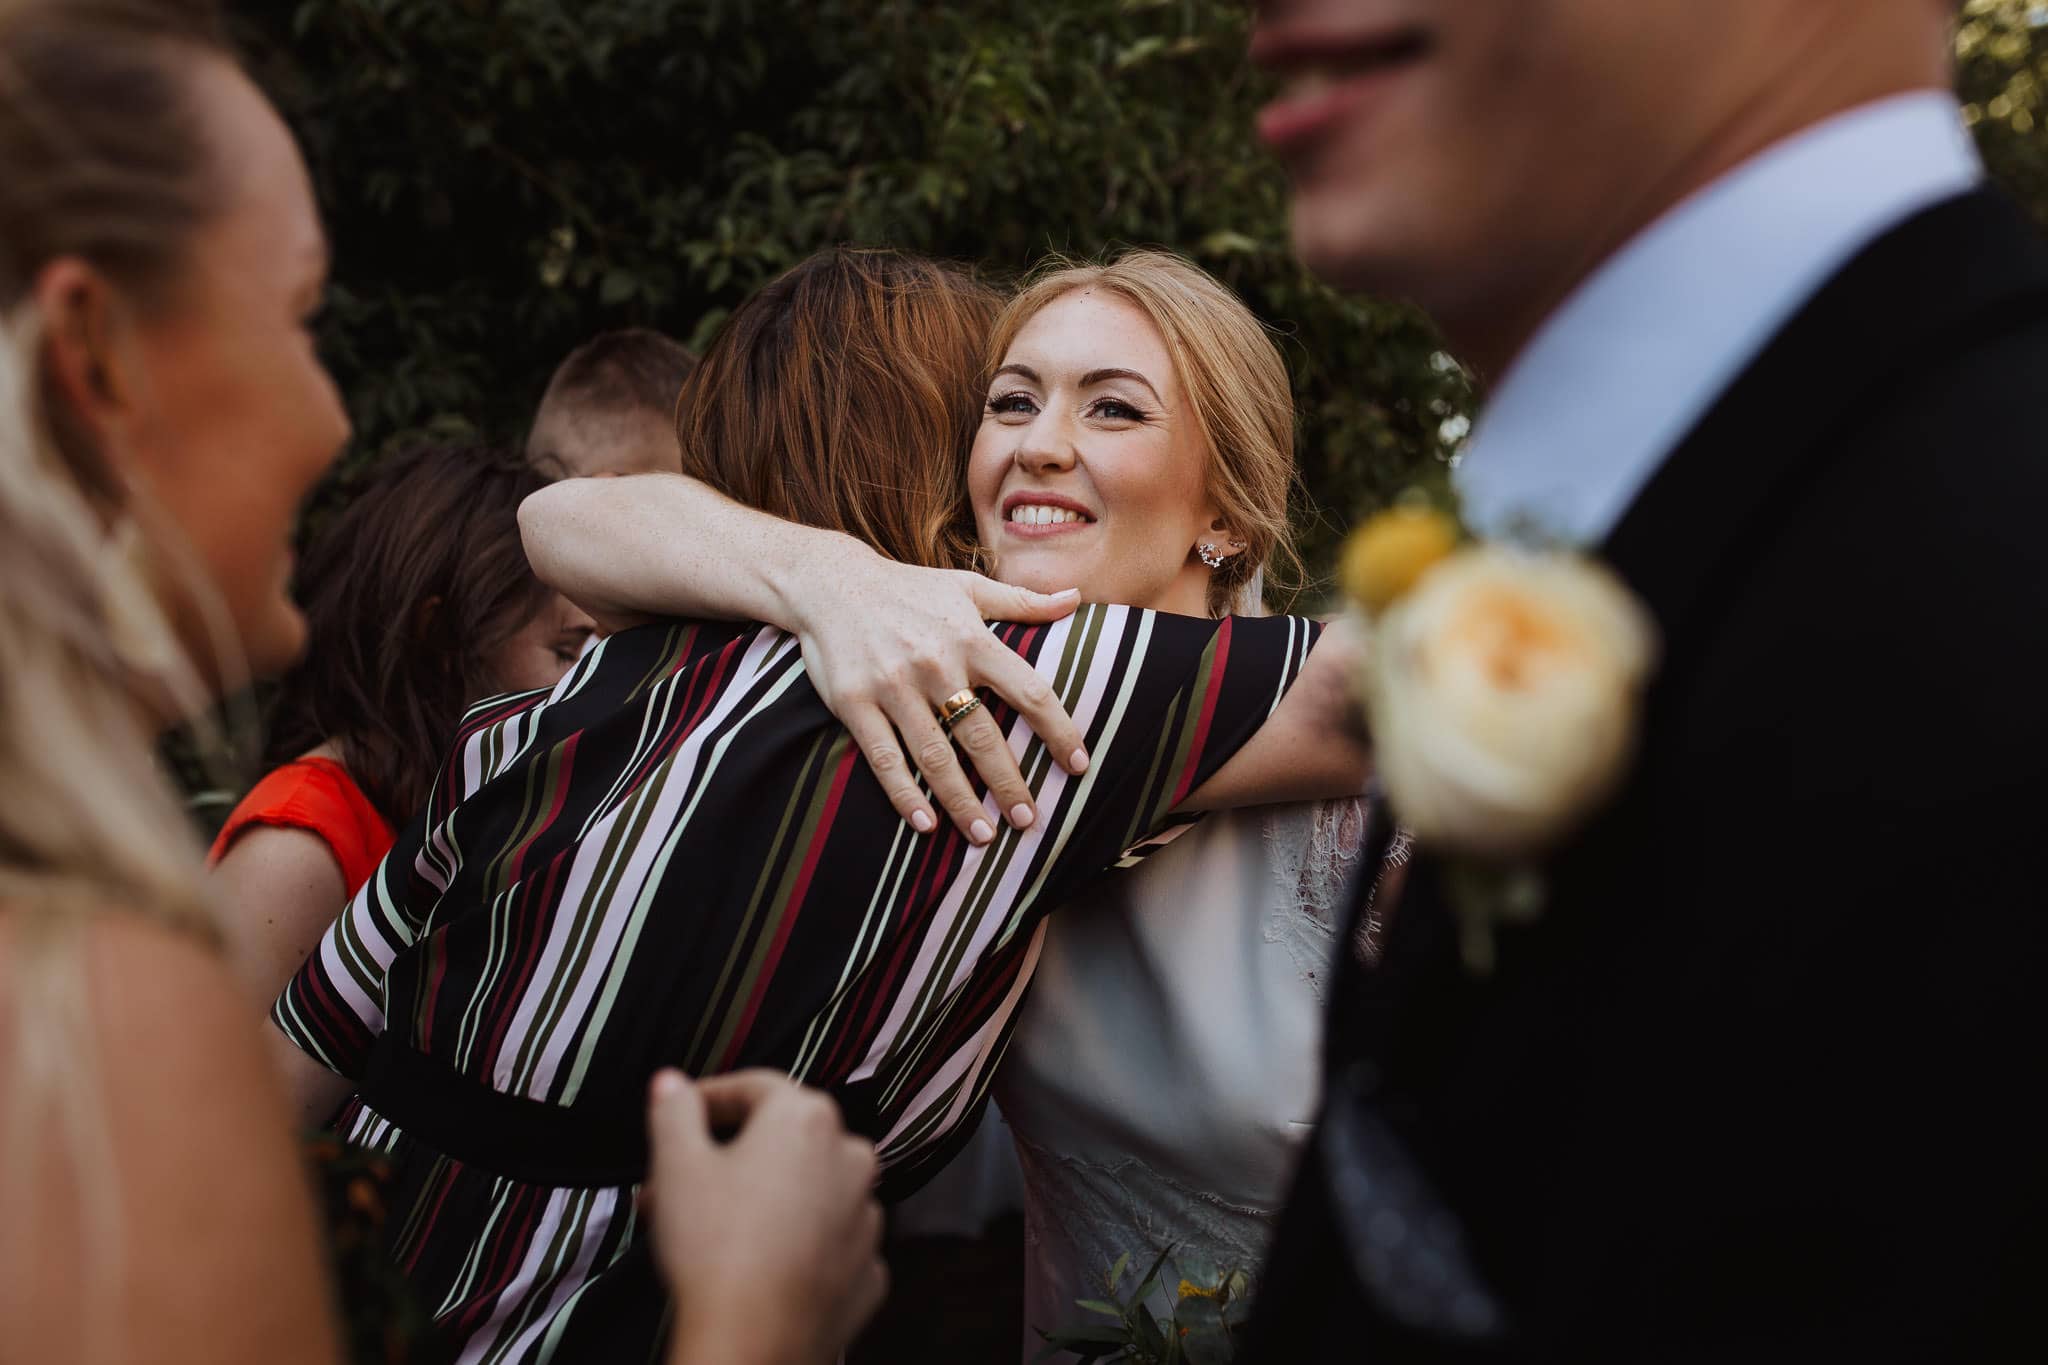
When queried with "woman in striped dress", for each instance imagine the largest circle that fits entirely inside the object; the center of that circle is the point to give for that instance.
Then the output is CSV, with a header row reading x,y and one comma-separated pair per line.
x,y
1164,1066
678,856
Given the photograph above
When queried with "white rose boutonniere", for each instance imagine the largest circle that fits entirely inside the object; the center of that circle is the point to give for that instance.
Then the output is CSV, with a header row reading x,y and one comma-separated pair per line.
x,y
1503,688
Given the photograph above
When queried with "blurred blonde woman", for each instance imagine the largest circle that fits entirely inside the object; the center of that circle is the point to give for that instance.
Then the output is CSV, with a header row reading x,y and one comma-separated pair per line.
x,y
162,414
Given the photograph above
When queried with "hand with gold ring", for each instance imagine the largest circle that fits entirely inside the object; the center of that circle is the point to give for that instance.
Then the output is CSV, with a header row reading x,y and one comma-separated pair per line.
x,y
893,643
957,707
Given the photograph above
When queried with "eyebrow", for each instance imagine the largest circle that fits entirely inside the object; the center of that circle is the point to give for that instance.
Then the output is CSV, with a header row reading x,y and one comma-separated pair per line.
x,y
1088,380
1094,377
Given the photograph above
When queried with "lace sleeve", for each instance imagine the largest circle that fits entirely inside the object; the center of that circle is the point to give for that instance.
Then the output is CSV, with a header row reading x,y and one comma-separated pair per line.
x,y
1313,852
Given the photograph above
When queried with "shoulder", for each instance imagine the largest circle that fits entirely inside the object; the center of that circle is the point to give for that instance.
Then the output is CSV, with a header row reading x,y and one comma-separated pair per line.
x,y
214,1204
308,793
1101,635
284,858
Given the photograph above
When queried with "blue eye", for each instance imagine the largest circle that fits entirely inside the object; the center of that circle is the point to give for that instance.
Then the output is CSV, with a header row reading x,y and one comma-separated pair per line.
x,y
1012,403
1116,410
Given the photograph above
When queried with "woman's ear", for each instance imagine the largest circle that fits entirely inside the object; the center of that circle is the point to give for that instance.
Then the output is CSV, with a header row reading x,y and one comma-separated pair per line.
x,y
1220,542
425,617
87,345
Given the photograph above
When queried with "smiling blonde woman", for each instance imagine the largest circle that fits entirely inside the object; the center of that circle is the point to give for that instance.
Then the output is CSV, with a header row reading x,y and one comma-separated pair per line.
x,y
1135,440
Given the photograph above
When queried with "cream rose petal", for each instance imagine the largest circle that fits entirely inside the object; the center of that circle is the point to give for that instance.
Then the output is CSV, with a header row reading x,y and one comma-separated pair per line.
x,y
1503,691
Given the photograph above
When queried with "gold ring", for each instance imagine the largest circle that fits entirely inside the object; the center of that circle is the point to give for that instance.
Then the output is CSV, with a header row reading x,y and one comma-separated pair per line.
x,y
961,703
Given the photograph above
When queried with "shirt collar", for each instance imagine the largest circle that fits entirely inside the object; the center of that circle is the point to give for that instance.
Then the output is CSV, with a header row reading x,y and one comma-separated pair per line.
x,y
1614,378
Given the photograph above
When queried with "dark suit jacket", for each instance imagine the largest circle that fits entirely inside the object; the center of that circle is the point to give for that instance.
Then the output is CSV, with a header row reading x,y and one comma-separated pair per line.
x,y
1764,1081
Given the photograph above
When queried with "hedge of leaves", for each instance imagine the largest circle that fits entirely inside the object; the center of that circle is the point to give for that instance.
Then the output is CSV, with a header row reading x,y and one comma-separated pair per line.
x,y
2002,66
503,178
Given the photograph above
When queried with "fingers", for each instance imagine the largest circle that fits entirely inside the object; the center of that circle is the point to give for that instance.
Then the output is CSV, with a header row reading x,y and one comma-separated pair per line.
x,y
730,1100
676,1122
982,739
877,740
863,1166
1007,602
936,758
870,1289
1004,673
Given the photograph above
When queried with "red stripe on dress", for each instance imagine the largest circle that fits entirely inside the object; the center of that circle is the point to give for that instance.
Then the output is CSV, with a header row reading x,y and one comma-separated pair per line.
x,y
561,798
329,1017
440,957
1216,670
500,1006
425,1230
967,1020
819,834
510,1253
941,857
704,694
869,992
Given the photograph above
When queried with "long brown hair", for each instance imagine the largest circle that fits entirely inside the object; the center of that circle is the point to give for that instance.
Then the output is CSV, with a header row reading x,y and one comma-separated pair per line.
x,y
844,395
407,593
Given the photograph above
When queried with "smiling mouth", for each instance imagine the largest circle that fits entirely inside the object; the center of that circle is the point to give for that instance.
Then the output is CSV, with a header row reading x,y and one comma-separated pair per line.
x,y
1045,514
1324,78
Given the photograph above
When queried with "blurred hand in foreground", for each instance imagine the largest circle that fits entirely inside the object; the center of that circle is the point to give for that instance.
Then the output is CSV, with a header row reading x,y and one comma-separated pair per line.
x,y
765,1222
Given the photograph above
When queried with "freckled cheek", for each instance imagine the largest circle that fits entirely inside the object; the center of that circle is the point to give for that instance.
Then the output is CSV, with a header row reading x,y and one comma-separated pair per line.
x,y
984,480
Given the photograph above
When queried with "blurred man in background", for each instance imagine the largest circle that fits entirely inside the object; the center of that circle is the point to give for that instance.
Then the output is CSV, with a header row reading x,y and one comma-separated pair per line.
x,y
611,406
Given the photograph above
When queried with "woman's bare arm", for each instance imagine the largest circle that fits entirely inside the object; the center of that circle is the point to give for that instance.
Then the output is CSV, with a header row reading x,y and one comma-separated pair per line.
x,y
884,642
219,1260
280,889
311,1092
1312,748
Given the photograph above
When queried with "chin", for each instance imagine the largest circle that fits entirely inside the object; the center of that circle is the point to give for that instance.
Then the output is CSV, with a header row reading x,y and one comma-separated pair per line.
x,y
1042,567
273,645
1355,243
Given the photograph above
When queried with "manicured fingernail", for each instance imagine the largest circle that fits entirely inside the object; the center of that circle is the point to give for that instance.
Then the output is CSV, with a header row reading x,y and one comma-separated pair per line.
x,y
921,821
1077,761
1021,815
980,832
666,1083
1065,592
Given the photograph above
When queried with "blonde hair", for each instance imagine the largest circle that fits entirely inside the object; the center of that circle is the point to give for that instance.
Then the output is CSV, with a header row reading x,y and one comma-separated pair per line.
x,y
1237,392
106,162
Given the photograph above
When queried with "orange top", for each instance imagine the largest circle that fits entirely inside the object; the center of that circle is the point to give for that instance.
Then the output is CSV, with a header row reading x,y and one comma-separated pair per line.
x,y
316,795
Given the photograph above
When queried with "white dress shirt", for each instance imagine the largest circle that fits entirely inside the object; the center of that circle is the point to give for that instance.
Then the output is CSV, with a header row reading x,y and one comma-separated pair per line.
x,y
1618,375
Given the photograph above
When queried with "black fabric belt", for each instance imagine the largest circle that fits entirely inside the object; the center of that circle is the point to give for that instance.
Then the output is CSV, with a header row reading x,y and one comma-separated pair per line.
x,y
598,1142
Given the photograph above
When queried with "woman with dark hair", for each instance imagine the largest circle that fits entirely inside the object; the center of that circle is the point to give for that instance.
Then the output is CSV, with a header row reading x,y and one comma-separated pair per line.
x,y
418,603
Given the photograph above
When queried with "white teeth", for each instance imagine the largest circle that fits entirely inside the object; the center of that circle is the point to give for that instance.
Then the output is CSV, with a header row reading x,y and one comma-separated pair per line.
x,y
1038,514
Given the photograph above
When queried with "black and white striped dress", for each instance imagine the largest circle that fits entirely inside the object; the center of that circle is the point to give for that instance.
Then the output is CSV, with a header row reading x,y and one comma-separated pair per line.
x,y
678,858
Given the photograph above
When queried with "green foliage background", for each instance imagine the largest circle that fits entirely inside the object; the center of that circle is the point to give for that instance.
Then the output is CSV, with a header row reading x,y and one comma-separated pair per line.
x,y
504,178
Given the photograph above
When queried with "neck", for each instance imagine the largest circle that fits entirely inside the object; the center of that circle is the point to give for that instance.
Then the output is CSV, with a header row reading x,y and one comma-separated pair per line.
x,y
1813,67
1187,595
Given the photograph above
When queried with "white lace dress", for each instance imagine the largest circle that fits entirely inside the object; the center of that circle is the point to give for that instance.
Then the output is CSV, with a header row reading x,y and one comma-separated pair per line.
x,y
1164,1070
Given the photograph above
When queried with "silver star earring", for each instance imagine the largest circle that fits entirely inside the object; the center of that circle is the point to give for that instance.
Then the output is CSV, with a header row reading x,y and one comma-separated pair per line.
x,y
1211,556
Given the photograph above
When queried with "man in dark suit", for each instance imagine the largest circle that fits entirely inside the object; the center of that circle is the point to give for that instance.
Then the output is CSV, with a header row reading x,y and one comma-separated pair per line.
x,y
1760,1082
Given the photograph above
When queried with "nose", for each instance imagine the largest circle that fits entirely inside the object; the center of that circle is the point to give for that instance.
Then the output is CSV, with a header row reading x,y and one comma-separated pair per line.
x,y
1047,445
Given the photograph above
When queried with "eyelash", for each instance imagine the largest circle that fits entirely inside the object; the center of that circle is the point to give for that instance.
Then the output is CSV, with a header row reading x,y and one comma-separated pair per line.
x,y
1131,413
